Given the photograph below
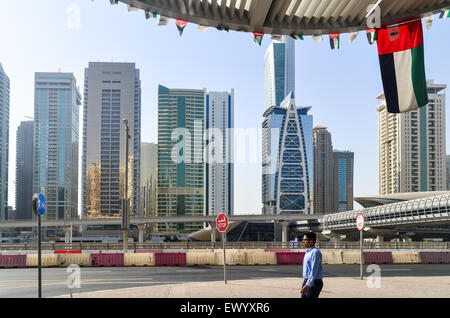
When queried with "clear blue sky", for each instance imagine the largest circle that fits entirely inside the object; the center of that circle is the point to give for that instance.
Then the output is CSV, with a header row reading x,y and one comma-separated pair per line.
x,y
340,85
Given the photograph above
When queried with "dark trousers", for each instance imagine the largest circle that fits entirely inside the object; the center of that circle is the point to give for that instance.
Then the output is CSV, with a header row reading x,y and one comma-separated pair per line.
x,y
314,290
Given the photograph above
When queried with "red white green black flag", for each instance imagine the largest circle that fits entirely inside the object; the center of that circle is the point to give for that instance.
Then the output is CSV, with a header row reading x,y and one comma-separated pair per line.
x,y
335,40
181,24
401,54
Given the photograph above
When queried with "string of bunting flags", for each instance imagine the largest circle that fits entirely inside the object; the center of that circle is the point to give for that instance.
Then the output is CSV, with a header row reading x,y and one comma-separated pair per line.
x,y
400,50
335,38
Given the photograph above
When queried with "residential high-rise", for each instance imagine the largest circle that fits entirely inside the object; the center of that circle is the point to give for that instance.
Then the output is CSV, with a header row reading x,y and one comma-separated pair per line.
x,y
412,154
149,178
323,171
448,171
285,171
181,167
4,143
24,170
343,162
112,92
279,71
55,162
220,167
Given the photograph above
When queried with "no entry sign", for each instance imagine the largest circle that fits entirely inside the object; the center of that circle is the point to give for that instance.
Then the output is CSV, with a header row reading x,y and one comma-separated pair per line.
x,y
222,222
360,222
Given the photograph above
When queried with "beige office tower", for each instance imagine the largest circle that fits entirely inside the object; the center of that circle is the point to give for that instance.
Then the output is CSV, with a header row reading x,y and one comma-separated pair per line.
x,y
112,91
149,178
323,171
411,146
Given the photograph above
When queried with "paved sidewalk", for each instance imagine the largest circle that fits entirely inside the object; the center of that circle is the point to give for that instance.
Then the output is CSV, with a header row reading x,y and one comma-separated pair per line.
x,y
334,287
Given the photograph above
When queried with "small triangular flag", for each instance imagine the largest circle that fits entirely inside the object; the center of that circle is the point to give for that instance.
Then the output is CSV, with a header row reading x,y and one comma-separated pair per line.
x,y
297,36
258,37
132,9
202,28
371,36
445,13
353,36
429,21
114,2
163,20
335,40
317,38
181,24
277,38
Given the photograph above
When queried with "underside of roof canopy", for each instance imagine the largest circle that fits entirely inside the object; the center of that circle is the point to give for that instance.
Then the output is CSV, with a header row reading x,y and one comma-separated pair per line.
x,y
287,17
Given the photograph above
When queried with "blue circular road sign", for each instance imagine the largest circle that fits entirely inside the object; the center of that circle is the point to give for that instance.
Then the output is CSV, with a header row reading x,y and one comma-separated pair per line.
x,y
41,204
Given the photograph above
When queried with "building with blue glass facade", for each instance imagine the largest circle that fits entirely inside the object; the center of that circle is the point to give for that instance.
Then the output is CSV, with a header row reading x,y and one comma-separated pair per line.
x,y
181,167
56,137
343,163
4,142
286,179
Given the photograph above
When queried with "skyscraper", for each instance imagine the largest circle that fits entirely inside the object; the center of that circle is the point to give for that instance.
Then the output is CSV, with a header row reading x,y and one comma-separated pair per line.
x,y
285,176
24,170
149,178
279,71
220,167
112,91
323,171
343,162
55,162
181,168
4,143
412,155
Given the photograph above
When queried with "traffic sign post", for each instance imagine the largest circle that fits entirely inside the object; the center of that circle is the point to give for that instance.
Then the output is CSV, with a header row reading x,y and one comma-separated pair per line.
x,y
39,205
222,226
360,223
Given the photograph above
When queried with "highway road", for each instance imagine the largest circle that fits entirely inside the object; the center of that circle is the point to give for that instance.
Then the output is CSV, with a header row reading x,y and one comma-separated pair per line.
x,y
22,283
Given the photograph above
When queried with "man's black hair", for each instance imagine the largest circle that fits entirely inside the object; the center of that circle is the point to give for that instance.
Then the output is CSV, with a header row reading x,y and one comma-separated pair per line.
x,y
310,235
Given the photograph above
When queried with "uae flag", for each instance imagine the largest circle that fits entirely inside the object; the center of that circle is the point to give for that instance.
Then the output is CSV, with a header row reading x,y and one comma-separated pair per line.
x,y
371,36
181,24
445,13
335,40
402,66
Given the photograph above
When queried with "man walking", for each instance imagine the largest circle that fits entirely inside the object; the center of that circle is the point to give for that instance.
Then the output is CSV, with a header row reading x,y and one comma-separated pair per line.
x,y
312,268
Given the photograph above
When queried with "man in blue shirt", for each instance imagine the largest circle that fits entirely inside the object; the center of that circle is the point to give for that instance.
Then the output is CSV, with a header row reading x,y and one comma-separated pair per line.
x,y
312,268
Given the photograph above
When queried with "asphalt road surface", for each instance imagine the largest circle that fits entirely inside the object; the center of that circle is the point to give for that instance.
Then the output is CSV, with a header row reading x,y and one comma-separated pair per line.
x,y
23,283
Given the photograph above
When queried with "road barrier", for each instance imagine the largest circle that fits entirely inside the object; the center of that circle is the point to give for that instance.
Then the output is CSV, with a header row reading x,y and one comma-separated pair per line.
x,y
82,260
434,257
47,260
331,257
233,258
261,258
108,260
170,259
405,257
290,258
139,259
349,257
377,258
13,261
200,259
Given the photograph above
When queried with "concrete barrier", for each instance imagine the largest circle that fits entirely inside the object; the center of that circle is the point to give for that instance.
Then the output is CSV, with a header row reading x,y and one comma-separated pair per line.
x,y
261,258
200,259
13,261
170,259
47,260
351,257
233,258
139,259
290,258
107,260
434,257
406,257
83,260
332,257
378,258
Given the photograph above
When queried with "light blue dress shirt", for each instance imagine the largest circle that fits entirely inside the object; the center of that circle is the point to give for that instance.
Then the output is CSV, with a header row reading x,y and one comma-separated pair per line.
x,y
312,265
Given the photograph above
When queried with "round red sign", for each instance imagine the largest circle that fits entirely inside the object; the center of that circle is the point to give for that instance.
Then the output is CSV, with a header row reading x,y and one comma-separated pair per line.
x,y
360,222
222,222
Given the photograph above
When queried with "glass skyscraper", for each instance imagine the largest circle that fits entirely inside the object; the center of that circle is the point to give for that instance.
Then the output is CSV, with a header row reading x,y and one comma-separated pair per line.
x,y
220,167
112,91
343,162
56,120
24,170
4,143
285,179
181,168
279,71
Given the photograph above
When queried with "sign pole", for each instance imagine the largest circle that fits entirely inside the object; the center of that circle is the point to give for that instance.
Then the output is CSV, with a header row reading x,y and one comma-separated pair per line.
x,y
39,258
361,255
224,259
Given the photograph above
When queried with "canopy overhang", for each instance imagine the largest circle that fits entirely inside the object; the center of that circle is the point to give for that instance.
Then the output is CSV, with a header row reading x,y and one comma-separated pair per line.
x,y
288,17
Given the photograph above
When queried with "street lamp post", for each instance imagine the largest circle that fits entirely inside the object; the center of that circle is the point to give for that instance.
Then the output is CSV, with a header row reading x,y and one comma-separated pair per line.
x,y
125,207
